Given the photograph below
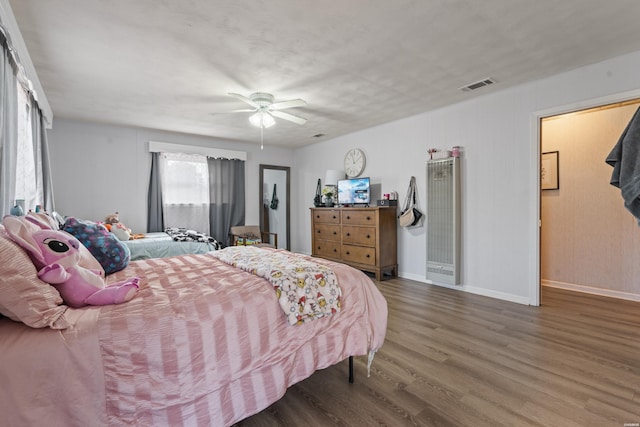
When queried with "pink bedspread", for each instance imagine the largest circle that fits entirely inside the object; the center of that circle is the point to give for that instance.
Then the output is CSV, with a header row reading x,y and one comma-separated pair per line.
x,y
204,343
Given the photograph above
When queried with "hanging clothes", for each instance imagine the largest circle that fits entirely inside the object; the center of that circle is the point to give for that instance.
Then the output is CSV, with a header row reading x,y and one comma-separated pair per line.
x,y
625,159
274,199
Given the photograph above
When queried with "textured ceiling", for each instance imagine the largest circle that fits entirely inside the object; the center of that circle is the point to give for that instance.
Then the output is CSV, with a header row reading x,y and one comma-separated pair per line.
x,y
169,65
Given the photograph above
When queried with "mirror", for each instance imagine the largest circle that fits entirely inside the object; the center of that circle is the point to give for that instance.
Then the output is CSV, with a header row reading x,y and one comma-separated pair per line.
x,y
275,220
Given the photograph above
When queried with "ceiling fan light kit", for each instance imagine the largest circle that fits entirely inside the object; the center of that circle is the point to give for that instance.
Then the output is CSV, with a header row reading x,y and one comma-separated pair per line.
x,y
262,119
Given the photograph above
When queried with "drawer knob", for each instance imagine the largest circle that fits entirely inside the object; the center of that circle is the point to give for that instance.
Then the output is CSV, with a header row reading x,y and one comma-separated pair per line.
x,y
334,233
348,234
368,218
348,253
368,256
335,250
348,217
334,217
318,231
368,236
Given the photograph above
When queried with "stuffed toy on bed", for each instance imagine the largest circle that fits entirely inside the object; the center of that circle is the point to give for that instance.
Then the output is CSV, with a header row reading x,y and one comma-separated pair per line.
x,y
56,255
113,224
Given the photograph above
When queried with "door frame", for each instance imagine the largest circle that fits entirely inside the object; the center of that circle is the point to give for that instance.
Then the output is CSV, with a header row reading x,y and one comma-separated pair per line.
x,y
535,151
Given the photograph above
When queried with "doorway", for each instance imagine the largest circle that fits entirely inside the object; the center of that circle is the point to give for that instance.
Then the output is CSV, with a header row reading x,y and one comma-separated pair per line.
x,y
588,241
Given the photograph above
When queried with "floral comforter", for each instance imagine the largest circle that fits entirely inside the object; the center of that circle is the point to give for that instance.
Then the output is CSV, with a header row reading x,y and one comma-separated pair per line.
x,y
305,290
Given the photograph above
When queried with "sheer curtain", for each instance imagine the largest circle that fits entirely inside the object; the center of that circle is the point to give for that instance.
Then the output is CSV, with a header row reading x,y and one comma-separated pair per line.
x,y
33,175
185,191
24,153
8,128
226,186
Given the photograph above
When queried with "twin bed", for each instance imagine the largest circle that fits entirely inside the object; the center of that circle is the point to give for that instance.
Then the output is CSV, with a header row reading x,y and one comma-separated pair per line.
x,y
202,343
162,245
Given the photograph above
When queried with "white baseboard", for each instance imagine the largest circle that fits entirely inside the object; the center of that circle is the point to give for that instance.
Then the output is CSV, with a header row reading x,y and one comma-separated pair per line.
x,y
525,300
591,290
471,289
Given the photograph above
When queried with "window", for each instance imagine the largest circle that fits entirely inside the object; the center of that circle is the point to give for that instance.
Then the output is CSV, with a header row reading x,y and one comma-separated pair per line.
x,y
185,191
185,178
27,187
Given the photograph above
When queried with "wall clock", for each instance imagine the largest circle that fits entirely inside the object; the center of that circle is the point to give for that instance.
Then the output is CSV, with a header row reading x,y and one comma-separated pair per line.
x,y
354,162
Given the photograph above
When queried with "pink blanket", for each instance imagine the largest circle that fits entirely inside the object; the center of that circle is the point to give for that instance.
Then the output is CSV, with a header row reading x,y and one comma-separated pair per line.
x,y
202,343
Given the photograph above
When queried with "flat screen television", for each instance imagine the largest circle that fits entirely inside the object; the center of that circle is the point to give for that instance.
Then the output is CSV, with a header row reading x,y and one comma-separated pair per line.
x,y
354,191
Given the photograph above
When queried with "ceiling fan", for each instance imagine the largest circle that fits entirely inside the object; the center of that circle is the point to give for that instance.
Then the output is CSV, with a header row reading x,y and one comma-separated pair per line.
x,y
266,109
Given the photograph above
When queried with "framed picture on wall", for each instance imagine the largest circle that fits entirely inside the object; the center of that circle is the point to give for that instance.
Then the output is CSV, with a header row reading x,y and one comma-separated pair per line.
x,y
549,179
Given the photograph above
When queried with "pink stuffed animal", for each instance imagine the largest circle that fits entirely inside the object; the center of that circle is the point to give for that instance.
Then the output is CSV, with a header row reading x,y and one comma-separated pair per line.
x,y
56,255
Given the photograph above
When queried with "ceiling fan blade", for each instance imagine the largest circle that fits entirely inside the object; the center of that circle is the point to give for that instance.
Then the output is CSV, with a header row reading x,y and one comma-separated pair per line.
x,y
245,99
287,104
290,117
244,110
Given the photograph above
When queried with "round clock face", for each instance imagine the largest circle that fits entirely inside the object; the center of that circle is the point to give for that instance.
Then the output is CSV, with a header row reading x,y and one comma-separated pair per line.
x,y
354,162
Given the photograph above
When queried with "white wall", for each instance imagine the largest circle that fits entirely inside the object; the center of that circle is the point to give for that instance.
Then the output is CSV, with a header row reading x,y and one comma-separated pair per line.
x,y
98,169
499,173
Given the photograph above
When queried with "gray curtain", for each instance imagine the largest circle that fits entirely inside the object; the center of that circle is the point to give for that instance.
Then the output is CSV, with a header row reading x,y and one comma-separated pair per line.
x,y
226,187
155,219
41,154
8,128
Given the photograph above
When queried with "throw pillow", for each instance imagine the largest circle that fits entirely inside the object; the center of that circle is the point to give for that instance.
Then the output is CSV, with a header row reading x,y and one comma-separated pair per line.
x,y
111,253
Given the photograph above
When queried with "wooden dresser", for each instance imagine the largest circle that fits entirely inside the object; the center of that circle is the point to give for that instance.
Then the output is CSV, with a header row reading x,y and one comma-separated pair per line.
x,y
364,238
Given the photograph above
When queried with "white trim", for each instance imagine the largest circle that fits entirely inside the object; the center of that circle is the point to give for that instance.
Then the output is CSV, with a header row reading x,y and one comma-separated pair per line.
x,y
8,20
589,103
166,147
534,231
470,289
590,290
536,281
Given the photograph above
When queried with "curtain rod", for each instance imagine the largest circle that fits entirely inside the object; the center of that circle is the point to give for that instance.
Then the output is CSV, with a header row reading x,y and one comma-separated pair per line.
x,y
160,147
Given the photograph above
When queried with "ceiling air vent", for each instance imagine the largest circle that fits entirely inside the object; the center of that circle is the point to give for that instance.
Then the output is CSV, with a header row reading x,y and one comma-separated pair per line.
x,y
478,84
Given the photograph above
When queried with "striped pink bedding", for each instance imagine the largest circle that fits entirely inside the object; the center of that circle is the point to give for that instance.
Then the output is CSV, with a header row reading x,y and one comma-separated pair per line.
x,y
208,344
202,343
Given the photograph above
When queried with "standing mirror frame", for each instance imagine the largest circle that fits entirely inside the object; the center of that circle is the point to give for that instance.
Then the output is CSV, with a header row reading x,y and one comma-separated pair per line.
x,y
278,220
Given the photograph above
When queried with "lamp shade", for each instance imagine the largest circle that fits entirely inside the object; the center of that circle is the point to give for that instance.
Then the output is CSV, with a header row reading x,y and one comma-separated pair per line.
x,y
262,119
332,176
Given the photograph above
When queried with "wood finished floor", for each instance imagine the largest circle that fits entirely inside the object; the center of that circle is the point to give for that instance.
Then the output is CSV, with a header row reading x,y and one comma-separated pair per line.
x,y
456,359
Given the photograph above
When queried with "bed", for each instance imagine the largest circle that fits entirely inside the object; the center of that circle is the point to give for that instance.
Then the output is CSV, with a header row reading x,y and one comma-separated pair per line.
x,y
162,245
201,343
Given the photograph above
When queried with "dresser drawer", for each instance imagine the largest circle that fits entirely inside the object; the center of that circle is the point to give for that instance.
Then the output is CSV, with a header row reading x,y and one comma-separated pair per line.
x,y
364,238
326,249
359,254
330,216
357,217
359,235
326,231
